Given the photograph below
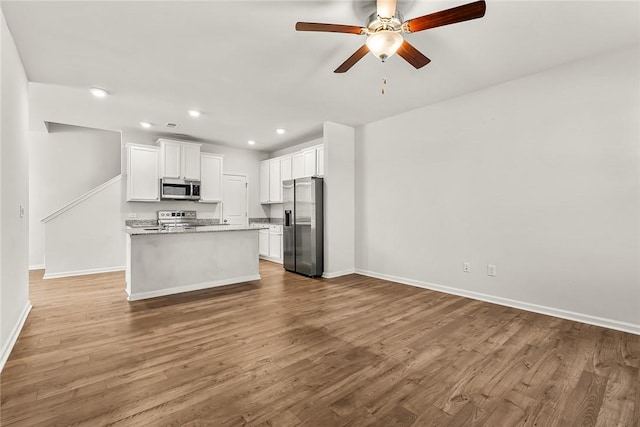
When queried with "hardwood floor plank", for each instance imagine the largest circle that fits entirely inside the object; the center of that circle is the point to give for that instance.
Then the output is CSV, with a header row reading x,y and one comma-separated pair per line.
x,y
292,351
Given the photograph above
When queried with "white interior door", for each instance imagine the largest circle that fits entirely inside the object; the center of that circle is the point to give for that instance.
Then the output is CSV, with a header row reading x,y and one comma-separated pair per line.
x,y
234,199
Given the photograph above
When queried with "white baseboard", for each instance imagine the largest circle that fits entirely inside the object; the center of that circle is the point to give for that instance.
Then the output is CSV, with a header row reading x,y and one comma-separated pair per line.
x,y
13,337
334,274
550,311
36,267
82,272
268,258
193,287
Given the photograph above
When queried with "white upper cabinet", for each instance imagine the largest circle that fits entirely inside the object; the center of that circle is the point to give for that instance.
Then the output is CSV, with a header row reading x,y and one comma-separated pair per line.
x,y
191,161
170,159
179,159
264,181
210,178
275,182
297,166
320,161
286,168
309,162
305,163
143,183
270,181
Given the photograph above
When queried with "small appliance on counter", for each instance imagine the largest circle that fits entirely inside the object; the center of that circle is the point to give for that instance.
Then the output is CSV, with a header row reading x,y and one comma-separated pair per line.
x,y
179,189
303,246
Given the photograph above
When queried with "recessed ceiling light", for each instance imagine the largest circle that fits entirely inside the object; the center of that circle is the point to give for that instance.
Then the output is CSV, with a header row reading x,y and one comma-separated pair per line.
x,y
145,124
280,131
194,113
251,142
98,92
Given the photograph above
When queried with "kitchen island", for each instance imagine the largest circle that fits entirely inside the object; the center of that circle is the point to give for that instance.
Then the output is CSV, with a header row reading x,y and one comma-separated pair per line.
x,y
163,262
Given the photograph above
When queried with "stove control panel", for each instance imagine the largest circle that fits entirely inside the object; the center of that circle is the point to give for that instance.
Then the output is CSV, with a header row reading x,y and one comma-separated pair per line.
x,y
177,215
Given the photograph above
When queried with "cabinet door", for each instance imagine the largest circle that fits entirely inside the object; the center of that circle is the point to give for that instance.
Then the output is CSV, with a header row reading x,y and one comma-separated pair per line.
x,y
285,168
170,159
275,183
210,178
320,161
263,239
297,166
275,244
143,180
310,163
191,161
264,181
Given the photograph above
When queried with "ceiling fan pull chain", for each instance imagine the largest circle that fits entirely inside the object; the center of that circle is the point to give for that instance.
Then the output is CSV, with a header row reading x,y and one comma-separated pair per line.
x,y
384,83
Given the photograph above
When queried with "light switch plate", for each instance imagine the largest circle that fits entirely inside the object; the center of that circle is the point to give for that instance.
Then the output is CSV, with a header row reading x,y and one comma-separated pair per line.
x,y
491,270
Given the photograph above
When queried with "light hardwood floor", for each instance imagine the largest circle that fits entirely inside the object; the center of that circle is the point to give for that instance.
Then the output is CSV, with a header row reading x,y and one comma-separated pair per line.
x,y
288,351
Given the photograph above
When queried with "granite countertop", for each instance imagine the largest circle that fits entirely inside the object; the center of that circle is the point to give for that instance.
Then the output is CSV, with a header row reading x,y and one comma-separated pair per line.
x,y
145,230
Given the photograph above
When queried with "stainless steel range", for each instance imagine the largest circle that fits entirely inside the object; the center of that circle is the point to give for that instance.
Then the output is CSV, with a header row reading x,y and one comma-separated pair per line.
x,y
177,220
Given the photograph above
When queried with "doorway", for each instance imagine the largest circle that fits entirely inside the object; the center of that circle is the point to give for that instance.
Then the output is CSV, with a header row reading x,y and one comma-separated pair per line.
x,y
235,199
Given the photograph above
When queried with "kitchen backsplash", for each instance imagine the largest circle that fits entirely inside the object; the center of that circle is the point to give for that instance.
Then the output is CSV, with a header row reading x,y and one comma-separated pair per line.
x,y
275,221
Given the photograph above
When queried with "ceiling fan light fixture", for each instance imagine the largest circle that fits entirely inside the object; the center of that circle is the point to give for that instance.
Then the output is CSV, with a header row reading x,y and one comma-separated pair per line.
x,y
384,43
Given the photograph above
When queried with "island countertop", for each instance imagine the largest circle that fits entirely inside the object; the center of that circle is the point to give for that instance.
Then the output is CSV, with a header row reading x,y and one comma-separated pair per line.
x,y
146,230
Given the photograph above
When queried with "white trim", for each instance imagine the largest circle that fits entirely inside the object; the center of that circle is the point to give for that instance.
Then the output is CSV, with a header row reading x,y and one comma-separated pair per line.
x,y
335,274
550,311
13,337
81,199
193,287
82,272
246,213
36,267
271,259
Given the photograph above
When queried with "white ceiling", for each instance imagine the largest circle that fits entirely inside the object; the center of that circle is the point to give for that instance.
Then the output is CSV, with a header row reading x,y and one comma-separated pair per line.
x,y
243,64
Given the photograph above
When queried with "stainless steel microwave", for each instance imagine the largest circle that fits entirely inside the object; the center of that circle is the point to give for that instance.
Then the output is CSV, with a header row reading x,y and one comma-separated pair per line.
x,y
179,189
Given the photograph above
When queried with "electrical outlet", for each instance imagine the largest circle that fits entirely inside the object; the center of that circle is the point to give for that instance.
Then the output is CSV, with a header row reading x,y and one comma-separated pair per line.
x,y
21,211
491,270
467,267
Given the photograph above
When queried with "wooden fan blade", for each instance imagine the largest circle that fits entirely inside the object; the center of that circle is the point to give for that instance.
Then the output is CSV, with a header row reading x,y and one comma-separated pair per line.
x,y
386,8
445,17
412,55
328,28
351,61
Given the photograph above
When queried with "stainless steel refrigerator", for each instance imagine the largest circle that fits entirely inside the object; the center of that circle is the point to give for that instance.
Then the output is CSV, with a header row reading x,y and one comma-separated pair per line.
x,y
303,245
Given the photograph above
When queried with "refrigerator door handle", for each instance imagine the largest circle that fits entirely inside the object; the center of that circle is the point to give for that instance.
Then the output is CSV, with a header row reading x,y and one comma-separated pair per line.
x,y
287,218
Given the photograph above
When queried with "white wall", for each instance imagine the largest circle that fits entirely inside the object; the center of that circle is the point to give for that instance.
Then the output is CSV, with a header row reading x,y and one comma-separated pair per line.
x,y
65,163
339,199
236,161
87,238
539,176
14,192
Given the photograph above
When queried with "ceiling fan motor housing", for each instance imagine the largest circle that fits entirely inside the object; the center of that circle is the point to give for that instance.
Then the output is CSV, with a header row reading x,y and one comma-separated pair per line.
x,y
376,23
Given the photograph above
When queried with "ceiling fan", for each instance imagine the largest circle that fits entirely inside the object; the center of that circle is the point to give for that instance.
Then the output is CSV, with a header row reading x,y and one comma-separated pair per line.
x,y
384,26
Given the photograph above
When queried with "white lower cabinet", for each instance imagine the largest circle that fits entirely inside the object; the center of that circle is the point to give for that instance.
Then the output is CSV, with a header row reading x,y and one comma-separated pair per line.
x,y
270,243
275,242
263,245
